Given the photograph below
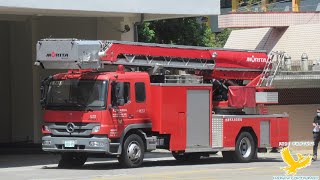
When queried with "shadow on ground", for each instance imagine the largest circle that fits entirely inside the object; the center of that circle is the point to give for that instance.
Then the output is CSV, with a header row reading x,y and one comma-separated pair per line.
x,y
46,159
22,159
163,163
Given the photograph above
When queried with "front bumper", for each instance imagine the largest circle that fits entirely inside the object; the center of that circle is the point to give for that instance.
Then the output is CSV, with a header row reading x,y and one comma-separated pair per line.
x,y
57,144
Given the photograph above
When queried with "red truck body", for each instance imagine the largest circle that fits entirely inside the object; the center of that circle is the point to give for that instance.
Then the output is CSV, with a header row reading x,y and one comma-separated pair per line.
x,y
133,112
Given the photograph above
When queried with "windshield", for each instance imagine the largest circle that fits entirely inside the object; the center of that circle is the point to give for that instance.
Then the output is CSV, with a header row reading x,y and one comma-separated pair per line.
x,y
76,94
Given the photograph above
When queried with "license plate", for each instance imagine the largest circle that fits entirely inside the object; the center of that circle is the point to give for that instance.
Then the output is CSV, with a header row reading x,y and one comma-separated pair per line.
x,y
69,143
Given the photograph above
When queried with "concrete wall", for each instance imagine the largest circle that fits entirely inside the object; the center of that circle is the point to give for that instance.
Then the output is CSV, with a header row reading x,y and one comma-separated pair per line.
x,y
300,119
294,40
21,81
21,114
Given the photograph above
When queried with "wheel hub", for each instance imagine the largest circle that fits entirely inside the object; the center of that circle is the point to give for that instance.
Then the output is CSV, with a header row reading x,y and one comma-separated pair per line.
x,y
134,151
245,147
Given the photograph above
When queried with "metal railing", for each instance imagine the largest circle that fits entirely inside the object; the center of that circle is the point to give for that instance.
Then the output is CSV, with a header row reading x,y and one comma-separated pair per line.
x,y
280,6
183,79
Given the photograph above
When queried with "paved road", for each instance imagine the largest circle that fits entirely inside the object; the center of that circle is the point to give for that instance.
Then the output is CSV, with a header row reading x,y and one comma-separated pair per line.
x,y
155,167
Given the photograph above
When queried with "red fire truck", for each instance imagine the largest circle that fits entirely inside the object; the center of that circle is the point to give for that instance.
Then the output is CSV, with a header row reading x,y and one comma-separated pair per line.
x,y
192,101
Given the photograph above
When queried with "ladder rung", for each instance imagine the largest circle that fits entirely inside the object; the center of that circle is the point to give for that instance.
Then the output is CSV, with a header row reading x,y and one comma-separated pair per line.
x,y
271,68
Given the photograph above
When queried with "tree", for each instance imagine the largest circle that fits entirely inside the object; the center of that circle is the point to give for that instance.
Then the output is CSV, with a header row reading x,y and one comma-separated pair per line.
x,y
222,37
182,31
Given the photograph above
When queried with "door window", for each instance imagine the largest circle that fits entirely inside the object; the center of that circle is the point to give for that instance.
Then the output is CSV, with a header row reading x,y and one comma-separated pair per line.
x,y
140,92
120,93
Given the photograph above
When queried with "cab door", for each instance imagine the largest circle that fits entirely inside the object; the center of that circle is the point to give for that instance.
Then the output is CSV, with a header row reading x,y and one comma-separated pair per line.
x,y
141,111
121,101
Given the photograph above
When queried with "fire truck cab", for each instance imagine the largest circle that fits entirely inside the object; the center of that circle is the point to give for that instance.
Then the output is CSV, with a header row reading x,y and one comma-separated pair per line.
x,y
130,111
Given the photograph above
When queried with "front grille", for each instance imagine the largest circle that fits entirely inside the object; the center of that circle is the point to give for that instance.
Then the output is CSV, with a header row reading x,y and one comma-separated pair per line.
x,y
75,123
80,129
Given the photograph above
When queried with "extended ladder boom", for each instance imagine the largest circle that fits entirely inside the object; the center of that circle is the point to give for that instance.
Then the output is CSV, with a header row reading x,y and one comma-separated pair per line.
x,y
83,54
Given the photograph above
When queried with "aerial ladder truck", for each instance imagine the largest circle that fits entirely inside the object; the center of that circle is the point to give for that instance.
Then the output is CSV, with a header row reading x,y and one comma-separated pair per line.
x,y
122,99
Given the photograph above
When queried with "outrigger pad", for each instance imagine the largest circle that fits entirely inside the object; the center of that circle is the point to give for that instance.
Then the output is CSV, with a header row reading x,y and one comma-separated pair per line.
x,y
68,54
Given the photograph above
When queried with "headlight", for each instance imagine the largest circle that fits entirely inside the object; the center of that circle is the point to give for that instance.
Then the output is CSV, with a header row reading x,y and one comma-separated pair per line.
x,y
96,129
96,144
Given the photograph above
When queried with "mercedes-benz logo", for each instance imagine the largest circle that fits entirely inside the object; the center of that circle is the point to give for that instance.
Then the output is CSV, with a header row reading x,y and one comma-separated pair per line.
x,y
70,127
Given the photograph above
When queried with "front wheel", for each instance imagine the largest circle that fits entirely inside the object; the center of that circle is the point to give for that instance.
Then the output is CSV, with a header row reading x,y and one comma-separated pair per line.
x,y
245,148
132,152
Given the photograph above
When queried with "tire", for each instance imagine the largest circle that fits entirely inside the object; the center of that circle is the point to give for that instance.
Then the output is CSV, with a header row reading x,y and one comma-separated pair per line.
x,y
245,149
132,152
72,160
186,157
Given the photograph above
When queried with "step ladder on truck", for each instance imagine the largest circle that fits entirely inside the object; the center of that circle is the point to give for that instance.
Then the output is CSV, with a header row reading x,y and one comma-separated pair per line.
x,y
122,99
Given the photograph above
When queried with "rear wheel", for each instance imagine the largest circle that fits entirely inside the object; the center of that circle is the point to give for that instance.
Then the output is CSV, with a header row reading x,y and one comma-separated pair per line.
x,y
72,160
245,148
132,152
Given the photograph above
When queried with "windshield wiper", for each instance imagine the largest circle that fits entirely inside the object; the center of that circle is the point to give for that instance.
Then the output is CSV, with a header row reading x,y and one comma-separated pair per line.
x,y
77,104
82,105
89,109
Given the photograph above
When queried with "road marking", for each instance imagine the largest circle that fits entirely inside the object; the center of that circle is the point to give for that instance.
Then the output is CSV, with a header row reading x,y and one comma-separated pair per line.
x,y
172,175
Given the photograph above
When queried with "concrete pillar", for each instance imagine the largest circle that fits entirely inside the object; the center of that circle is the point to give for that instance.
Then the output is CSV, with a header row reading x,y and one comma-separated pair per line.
x,y
115,29
127,29
5,89
108,28
21,81
37,113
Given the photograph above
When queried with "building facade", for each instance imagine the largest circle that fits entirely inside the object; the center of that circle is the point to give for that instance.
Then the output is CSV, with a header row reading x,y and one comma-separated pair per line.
x,y
23,23
296,34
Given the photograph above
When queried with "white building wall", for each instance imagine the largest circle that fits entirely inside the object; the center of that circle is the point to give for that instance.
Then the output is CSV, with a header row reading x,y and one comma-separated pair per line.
x,y
294,40
246,39
300,121
300,39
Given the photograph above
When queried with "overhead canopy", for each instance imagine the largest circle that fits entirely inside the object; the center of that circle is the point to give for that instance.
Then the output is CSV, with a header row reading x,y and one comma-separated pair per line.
x,y
104,8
